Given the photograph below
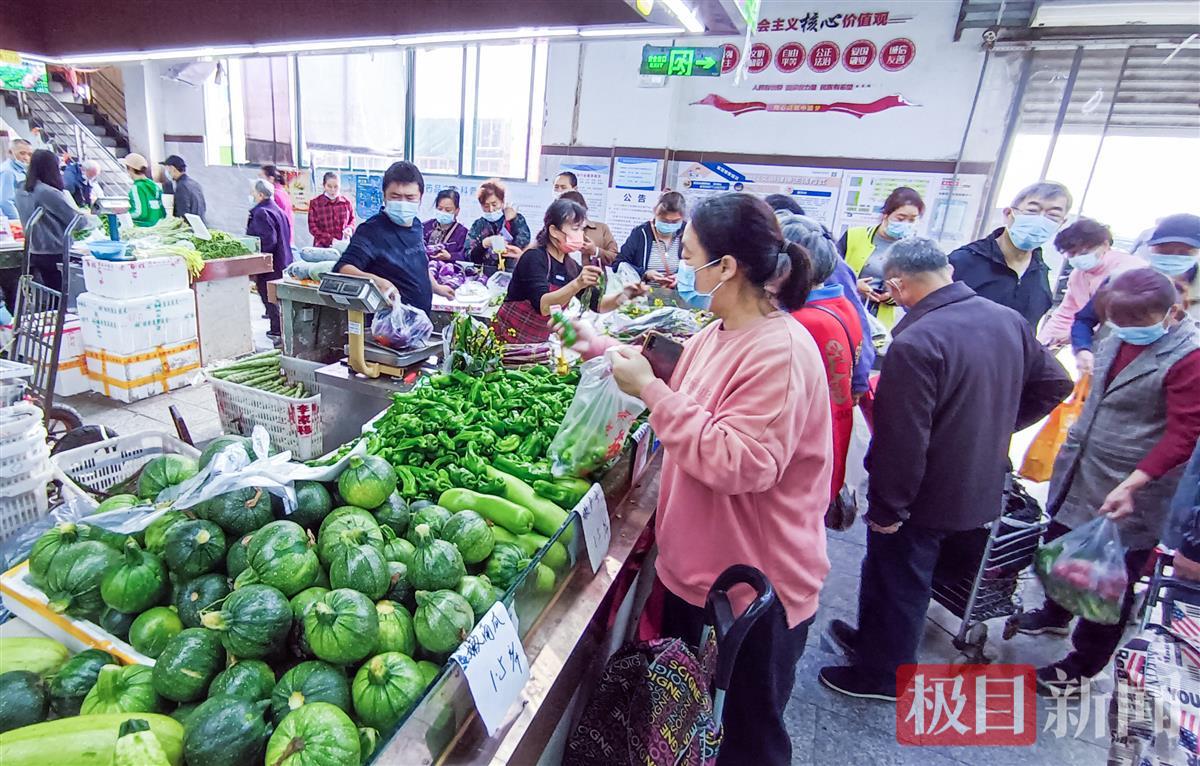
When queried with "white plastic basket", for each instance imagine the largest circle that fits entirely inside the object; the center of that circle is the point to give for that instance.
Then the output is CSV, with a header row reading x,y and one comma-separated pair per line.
x,y
106,464
292,424
23,503
19,466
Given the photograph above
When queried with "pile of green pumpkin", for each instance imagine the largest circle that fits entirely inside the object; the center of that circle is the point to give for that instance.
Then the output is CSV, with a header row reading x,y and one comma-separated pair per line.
x,y
324,626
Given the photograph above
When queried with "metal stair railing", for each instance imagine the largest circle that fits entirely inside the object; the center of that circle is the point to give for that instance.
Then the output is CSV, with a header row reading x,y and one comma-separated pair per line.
x,y
61,127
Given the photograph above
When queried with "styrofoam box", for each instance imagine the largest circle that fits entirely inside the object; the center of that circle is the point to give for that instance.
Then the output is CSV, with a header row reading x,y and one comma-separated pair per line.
x,y
134,279
126,326
72,377
137,377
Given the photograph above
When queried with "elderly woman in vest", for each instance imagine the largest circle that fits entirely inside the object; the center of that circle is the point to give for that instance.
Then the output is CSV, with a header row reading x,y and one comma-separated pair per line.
x,y
1125,455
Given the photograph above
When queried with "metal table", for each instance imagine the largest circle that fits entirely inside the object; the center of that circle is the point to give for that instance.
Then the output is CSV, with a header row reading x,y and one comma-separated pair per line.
x,y
312,326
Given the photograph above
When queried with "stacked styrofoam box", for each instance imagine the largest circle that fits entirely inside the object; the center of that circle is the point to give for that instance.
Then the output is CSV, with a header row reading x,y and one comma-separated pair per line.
x,y
139,327
72,369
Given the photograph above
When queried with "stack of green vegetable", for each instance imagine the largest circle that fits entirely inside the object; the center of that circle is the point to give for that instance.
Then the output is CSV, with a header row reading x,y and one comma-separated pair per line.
x,y
261,371
219,245
317,622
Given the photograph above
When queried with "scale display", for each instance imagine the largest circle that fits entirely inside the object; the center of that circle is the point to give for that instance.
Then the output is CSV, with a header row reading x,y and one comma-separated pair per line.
x,y
355,293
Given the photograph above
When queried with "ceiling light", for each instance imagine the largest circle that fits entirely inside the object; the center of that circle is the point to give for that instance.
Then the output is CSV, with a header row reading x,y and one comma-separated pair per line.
x,y
630,30
686,16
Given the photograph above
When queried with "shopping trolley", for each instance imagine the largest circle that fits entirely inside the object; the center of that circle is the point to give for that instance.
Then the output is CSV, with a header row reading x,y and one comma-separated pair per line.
x,y
990,590
37,332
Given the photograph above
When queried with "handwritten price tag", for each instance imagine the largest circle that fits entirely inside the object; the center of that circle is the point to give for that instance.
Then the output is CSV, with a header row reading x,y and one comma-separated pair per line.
x,y
643,448
593,511
495,665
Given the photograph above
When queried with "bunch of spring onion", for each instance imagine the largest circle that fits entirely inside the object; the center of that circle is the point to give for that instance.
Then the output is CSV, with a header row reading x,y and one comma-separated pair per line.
x,y
189,254
261,371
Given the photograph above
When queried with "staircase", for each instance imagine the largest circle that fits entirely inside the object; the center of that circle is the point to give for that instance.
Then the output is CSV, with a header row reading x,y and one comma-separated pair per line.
x,y
80,126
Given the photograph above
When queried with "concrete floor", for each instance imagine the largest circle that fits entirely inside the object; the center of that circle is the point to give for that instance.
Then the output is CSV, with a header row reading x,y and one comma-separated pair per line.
x,y
826,728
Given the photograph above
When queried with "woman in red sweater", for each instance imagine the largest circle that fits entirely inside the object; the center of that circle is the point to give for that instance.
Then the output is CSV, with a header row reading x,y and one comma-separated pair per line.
x,y
744,423
832,320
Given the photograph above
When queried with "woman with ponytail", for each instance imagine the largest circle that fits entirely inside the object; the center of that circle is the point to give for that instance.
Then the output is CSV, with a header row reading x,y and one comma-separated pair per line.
x,y
745,425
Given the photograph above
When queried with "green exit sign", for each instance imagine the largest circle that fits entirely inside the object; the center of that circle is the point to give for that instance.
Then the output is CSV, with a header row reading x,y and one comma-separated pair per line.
x,y
681,62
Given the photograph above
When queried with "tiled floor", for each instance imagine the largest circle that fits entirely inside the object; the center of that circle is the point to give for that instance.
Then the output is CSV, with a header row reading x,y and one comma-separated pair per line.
x,y
826,728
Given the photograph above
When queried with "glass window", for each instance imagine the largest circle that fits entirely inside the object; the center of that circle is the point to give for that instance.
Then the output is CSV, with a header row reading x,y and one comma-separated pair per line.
x,y
502,120
437,109
352,103
218,120
266,100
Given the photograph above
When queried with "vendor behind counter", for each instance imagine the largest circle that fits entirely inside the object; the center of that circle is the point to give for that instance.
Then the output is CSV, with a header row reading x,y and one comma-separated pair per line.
x,y
389,247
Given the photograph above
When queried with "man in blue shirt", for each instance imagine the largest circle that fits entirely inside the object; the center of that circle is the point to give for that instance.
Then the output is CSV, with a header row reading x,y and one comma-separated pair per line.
x,y
389,247
12,176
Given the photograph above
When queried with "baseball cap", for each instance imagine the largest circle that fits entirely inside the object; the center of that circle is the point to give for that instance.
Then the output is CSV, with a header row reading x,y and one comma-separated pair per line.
x,y
176,162
135,161
1183,228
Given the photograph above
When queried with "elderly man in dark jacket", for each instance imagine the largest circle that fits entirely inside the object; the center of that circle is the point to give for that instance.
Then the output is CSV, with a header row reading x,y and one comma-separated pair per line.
x,y
274,231
961,375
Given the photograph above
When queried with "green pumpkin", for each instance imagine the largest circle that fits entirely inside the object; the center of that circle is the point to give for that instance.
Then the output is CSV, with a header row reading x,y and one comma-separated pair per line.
x,y
184,711
253,622
397,548
385,688
395,628
342,627
23,700
128,689
443,619
436,564
429,671
344,528
226,731
194,547
313,504
248,679
72,585
116,623
156,532
165,471
51,544
479,593
400,589
305,599
360,568
318,734
432,516
220,443
367,481
309,682
237,557
505,565
471,534
188,664
240,511
137,583
393,514
74,680
281,555
153,628
543,580
198,595
118,503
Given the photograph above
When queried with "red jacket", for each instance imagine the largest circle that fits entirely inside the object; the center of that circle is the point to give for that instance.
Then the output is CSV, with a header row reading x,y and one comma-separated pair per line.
x,y
833,323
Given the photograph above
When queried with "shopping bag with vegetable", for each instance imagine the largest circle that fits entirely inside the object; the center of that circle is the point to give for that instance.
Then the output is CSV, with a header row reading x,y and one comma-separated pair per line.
x,y
1084,571
401,327
596,424
1039,458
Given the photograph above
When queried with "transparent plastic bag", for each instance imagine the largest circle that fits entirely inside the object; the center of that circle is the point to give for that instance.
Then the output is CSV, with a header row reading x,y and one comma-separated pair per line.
x,y
596,424
1084,571
401,327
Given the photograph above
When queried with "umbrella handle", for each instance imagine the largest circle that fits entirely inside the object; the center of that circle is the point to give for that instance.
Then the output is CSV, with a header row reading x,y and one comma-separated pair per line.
x,y
731,630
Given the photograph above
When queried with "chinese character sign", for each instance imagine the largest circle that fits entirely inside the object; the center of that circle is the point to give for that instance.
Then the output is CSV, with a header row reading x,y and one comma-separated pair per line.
x,y
966,705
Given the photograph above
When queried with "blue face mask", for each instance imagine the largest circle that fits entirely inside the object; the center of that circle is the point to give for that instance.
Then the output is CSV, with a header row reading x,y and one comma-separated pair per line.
x,y
1085,261
667,228
494,216
402,212
1030,230
1138,336
1172,265
444,218
685,285
900,229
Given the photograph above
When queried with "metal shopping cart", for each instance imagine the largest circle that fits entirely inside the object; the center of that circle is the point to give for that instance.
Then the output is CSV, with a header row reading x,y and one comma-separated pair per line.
x,y
37,332
979,580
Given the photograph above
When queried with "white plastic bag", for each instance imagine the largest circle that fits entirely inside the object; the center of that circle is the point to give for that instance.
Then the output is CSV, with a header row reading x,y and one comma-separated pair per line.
x,y
856,455
594,429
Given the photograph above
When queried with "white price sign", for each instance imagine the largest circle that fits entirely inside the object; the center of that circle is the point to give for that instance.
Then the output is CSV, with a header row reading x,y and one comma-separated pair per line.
x,y
643,447
593,511
495,665
198,227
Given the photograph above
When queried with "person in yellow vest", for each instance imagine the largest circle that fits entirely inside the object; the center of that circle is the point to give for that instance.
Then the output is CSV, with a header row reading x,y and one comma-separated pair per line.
x,y
865,249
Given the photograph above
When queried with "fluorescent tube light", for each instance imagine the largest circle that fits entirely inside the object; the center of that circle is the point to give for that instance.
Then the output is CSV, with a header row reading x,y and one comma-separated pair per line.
x,y
631,30
686,16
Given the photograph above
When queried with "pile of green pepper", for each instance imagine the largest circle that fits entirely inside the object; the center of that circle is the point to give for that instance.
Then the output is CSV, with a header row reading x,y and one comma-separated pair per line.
x,y
446,431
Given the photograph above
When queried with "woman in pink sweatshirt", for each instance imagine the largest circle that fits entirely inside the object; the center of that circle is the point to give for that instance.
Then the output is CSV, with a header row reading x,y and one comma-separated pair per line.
x,y
746,431
1087,244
